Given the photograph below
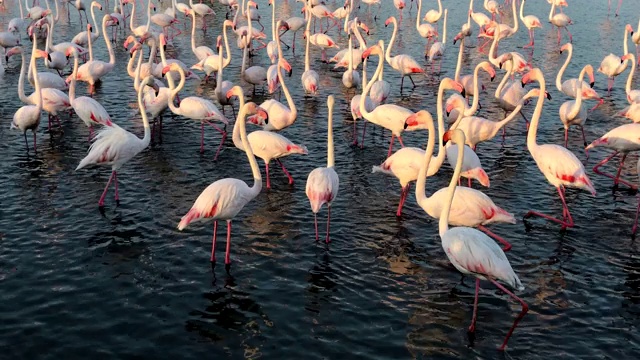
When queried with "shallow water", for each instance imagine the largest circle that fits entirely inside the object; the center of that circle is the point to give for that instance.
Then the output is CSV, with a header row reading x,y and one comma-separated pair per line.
x,y
125,283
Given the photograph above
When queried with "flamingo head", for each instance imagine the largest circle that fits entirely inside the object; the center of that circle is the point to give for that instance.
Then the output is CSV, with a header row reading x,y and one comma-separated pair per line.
x,y
113,20
504,58
566,46
253,4
532,75
229,23
457,37
151,82
629,29
363,26
285,65
134,48
97,5
234,91
375,49
170,67
389,20
152,6
454,102
589,70
187,12
42,54
89,28
46,13
219,42
418,120
198,65
283,25
13,51
448,83
304,9
457,136
260,115
486,66
128,41
625,57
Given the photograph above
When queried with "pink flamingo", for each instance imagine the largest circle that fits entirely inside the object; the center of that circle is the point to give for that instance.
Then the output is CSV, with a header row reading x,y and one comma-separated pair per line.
x,y
115,146
531,22
559,165
266,145
573,112
323,182
569,87
633,96
622,140
403,63
473,253
612,65
560,21
225,198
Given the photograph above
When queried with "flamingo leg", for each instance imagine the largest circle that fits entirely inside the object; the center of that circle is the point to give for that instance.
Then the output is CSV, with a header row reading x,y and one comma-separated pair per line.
x,y
500,239
584,139
115,178
615,181
565,224
26,142
104,193
468,182
410,78
558,35
266,166
391,145
315,221
403,198
618,9
400,139
328,240
224,137
472,327
525,309
227,255
525,119
566,136
615,178
213,242
285,171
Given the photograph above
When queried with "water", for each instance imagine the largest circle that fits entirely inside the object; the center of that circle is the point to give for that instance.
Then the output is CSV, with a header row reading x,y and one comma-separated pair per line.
x,y
125,283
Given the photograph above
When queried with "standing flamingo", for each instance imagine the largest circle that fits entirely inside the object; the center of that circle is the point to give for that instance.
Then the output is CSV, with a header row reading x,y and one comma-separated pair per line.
x,y
560,166
93,71
323,182
310,78
222,86
569,87
432,16
531,22
623,140
437,49
612,65
225,198
266,144
473,253
425,30
560,21
203,10
115,146
633,96
403,63
573,112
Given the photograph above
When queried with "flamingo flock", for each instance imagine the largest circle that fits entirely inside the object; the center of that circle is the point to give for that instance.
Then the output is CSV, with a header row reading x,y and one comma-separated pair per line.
x,y
471,247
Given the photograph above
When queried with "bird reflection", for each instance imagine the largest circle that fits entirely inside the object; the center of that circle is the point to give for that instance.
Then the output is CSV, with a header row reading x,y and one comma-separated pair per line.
x,y
321,283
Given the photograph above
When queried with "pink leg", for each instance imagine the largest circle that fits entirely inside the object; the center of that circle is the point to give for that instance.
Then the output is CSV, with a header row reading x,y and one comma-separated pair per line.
x,y
616,178
315,221
524,311
391,145
266,166
355,134
224,137
615,181
584,139
104,193
227,255
213,242
507,245
472,327
285,171
570,36
328,240
115,178
403,198
400,139
610,82
566,136
558,35
565,224
618,9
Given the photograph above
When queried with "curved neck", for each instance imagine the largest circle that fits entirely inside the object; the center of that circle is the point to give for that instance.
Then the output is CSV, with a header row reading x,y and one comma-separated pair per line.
x,y
145,121
563,68
292,105
220,67
244,59
444,26
56,7
330,155
533,126
36,81
440,8
418,14
553,8
516,23
72,86
443,224
575,110
626,37
421,196
469,14
494,44
23,70
227,60
93,17
393,39
361,43
49,42
148,15
255,170
476,92
21,11
175,91
498,93
112,55
132,15
456,77
633,70
363,109
164,63
236,138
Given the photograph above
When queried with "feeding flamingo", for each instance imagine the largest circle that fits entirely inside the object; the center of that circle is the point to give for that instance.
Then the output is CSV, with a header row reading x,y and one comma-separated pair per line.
x,y
623,140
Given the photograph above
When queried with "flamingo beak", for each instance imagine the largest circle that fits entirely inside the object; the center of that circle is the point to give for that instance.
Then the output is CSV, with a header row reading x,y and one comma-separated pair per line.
x,y
263,114
229,94
446,137
412,120
547,95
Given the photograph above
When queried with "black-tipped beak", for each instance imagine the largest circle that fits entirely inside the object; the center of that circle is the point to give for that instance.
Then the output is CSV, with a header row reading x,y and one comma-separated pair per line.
x,y
548,95
454,41
560,52
591,84
448,112
406,126
493,77
6,59
164,47
463,92
49,57
500,65
523,83
290,72
621,61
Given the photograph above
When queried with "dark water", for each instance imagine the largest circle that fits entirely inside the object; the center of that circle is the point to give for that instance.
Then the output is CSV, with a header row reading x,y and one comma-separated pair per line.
x,y
125,283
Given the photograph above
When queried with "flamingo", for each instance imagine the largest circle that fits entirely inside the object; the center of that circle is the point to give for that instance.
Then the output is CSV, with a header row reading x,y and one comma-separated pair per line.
x,y
425,30
560,21
465,30
82,38
400,5
403,63
164,21
371,3
115,146
17,23
118,14
560,166
195,108
222,86
569,87
323,182
355,104
631,112
492,7
209,63
432,16
53,100
156,98
473,253
58,60
28,116
517,59
573,112
320,11
438,48
254,75
389,116
633,96
612,65
310,78
88,110
93,71
294,24
351,77
203,10
141,30
635,37
531,22
201,52
80,6
324,42
623,140
225,198
266,144
342,57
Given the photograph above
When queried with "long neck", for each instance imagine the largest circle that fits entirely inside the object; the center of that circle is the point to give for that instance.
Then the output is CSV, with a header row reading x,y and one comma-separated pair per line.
x,y
112,55
90,44
476,92
145,121
227,60
193,32
57,10
361,43
330,156
49,34
23,70
136,79
502,123
350,54
443,224
244,57
578,103
444,25
175,91
36,81
21,11
148,15
164,63
563,68
440,118
469,14
273,20
516,23
255,170
364,73
236,138
363,109
307,66
285,89
95,23
498,93
633,70
553,8
494,44
393,39
535,118
72,86
132,16
130,69
456,77
440,8
421,196
26,6
522,11
418,15
220,67
626,37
